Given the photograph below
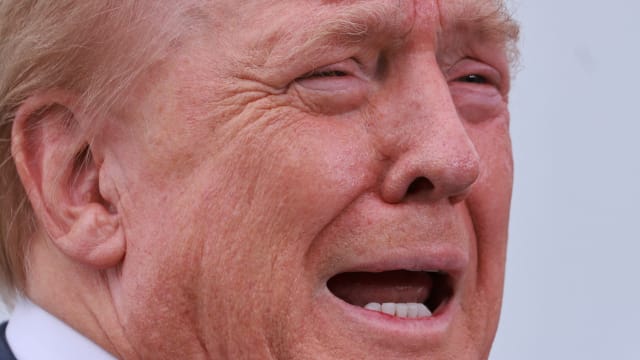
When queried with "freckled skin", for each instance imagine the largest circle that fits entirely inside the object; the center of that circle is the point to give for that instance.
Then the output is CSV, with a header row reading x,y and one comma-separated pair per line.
x,y
244,185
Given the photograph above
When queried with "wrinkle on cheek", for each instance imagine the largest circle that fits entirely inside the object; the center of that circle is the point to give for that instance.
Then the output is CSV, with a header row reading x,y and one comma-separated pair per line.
x,y
301,101
216,108
209,90
295,159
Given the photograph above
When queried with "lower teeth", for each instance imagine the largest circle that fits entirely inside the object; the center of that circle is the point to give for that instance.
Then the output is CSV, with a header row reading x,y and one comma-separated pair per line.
x,y
410,310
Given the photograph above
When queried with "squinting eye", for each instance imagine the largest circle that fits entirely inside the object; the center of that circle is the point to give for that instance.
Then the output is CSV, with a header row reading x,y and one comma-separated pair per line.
x,y
325,73
474,79
332,89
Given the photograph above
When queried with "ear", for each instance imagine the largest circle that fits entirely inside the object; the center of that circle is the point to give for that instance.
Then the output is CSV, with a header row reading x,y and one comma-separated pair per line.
x,y
61,175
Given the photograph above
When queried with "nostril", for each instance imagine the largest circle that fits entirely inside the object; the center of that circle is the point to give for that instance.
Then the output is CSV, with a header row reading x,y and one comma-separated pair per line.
x,y
419,185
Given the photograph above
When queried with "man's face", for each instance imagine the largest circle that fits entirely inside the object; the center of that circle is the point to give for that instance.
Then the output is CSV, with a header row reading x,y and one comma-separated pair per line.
x,y
296,161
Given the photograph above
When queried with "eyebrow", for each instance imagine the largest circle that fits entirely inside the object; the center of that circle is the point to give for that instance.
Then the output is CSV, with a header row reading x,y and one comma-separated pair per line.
x,y
487,20
481,21
359,23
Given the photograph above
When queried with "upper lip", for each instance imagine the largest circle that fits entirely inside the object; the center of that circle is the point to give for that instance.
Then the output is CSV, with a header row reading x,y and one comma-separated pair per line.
x,y
450,261
453,262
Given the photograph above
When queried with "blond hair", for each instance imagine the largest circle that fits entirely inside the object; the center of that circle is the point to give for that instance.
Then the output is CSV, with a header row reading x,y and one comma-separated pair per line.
x,y
94,48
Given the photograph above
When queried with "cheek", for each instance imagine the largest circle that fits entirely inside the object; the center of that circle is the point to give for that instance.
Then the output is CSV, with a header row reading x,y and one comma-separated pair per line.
x,y
232,233
489,203
294,181
259,201
490,199
488,206
303,176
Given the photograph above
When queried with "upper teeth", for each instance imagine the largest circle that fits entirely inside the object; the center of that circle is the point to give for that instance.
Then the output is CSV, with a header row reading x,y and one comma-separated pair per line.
x,y
410,310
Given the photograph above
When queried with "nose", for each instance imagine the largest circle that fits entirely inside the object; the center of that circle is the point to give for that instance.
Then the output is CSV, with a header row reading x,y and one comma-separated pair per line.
x,y
432,155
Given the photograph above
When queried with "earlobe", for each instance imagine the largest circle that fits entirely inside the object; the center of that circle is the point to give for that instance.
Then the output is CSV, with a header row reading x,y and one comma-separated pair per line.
x,y
61,174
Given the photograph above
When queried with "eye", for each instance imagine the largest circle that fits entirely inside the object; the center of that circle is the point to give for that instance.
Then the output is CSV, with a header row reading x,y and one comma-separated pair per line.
x,y
325,73
469,71
338,87
338,77
331,77
478,90
474,79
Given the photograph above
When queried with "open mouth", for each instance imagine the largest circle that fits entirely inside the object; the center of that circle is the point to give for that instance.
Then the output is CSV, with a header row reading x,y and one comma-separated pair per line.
x,y
399,293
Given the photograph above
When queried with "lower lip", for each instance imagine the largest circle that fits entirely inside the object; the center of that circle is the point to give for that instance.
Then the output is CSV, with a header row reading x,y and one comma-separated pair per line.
x,y
432,328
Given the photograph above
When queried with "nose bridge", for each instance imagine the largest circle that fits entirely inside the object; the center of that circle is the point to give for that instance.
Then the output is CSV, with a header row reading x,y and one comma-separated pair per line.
x,y
424,136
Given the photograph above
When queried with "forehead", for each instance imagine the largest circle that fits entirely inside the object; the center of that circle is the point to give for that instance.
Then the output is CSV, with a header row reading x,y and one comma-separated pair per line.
x,y
275,29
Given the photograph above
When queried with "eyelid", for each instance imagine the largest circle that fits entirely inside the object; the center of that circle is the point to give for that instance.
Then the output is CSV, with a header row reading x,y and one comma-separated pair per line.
x,y
332,94
470,66
349,79
348,67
